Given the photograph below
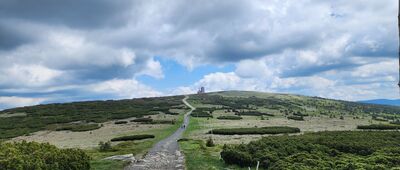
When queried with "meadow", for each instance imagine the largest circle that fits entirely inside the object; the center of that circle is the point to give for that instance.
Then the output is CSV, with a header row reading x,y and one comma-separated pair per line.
x,y
314,117
223,132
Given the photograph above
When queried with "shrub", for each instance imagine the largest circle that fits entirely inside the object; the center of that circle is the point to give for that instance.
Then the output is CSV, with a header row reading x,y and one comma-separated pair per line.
x,y
142,120
298,118
183,139
230,117
160,122
197,113
120,122
171,113
253,113
320,150
33,155
300,114
395,122
78,127
210,142
132,137
379,127
262,130
105,146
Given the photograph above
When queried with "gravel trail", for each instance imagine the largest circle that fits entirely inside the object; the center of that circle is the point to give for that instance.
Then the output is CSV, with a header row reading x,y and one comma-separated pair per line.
x,y
165,155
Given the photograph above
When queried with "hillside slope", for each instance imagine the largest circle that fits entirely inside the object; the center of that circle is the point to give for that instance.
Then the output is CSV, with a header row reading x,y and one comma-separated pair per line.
x,y
383,102
25,120
295,103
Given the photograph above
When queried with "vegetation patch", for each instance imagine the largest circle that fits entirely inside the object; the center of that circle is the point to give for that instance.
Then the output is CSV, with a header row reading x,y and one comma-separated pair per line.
x,y
200,157
230,117
132,137
33,155
253,113
77,127
120,122
201,113
261,130
144,119
298,118
152,121
300,114
321,150
41,116
161,122
379,127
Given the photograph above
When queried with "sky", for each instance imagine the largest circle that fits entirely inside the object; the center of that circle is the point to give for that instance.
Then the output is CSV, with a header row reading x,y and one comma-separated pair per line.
x,y
63,51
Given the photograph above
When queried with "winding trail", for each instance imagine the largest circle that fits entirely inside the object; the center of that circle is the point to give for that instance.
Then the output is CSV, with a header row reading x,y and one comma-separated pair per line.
x,y
165,155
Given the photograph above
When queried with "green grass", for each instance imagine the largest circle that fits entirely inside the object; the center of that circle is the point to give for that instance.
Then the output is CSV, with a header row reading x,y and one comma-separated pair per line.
x,y
107,164
197,155
200,157
137,148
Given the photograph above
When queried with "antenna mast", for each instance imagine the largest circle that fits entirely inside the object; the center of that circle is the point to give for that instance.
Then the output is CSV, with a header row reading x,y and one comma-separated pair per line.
x,y
398,22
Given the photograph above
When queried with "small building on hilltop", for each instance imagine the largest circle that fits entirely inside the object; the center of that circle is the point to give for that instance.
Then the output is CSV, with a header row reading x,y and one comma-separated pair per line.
x,y
201,90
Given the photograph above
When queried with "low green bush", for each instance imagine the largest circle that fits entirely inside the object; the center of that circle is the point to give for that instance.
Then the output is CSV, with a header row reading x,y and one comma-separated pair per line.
x,y
132,137
33,155
253,113
160,122
171,113
379,127
320,150
300,114
77,127
120,122
230,117
298,118
142,120
183,139
197,113
105,146
261,130
210,142
395,122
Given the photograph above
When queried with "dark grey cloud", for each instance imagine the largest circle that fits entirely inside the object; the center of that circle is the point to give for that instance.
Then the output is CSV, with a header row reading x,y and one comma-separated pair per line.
x,y
73,13
11,38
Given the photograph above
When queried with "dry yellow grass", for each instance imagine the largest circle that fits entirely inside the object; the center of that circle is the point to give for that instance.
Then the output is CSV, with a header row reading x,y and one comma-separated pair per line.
x,y
91,139
311,124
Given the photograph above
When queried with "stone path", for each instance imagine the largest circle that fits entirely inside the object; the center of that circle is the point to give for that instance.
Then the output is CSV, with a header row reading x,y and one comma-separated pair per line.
x,y
165,155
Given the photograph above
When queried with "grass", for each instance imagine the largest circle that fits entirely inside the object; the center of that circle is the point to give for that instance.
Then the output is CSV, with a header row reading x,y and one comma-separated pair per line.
x,y
107,164
137,148
197,155
200,157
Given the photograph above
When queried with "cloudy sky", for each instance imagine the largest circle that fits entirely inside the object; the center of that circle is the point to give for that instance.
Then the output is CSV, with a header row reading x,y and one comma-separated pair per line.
x,y
60,51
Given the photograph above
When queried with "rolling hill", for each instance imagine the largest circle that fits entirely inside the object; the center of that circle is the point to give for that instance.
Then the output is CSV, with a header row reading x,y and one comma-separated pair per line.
x,y
392,102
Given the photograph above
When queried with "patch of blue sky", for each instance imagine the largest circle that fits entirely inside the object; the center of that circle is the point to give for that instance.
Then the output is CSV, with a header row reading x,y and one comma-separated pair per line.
x,y
176,75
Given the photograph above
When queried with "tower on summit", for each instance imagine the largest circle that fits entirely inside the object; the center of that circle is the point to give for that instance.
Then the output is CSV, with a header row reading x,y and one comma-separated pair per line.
x,y
201,90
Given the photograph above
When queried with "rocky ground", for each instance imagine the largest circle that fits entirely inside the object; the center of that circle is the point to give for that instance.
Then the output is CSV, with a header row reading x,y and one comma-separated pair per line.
x,y
165,155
